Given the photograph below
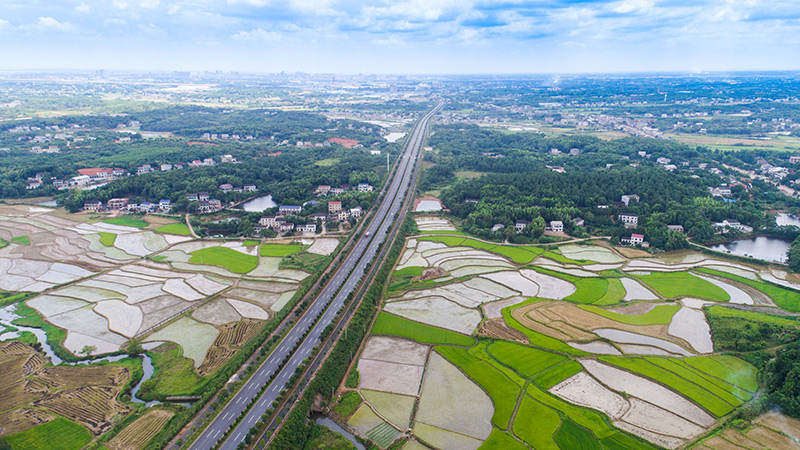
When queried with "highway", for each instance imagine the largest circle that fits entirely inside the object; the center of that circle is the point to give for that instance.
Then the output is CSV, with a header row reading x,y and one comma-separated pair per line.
x,y
347,277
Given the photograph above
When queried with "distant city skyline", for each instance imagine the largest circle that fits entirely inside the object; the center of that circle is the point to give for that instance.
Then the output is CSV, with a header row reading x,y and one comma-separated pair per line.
x,y
404,37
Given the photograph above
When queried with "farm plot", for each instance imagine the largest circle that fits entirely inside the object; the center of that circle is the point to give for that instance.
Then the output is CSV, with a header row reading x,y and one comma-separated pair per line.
x,y
450,401
582,389
231,337
691,325
437,311
684,284
217,312
195,338
249,310
395,408
549,287
590,253
60,434
392,365
136,435
635,291
455,292
428,223
323,246
226,258
736,295
514,281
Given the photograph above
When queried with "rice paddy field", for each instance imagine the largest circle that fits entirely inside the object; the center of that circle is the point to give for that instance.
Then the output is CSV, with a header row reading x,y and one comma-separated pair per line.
x,y
572,346
192,303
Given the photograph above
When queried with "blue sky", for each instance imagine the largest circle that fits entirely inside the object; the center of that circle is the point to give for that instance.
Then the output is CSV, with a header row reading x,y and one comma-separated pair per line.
x,y
410,36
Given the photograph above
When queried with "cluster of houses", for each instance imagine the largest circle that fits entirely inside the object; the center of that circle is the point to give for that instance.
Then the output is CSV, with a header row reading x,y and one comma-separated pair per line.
x,y
279,223
123,204
324,189
206,204
728,224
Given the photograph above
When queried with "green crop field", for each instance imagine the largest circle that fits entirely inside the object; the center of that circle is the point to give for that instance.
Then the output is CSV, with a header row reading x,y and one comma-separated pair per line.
x,y
622,441
501,441
174,228
478,244
174,374
587,418
785,298
60,434
224,257
680,284
22,240
280,250
538,339
660,315
526,361
408,272
536,424
727,368
107,239
571,435
450,241
348,404
588,290
614,293
502,391
563,259
694,392
397,326
687,373
557,373
126,222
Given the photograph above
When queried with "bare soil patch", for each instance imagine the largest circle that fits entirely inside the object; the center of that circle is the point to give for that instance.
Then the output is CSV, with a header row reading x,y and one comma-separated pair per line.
x,y
498,329
136,435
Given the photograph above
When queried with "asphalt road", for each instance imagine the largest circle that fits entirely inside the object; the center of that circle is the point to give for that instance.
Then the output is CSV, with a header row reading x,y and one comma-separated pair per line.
x,y
348,277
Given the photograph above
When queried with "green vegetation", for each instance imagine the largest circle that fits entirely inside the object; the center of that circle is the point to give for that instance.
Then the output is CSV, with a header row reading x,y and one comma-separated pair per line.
x,y
526,361
695,392
571,435
407,273
683,284
22,240
59,434
589,290
721,389
397,326
555,256
622,441
3,243
323,438
174,375
782,376
660,315
536,424
557,373
537,339
174,228
29,317
785,298
127,222
502,441
107,239
614,293
250,242
503,391
747,331
348,404
230,259
352,379
280,250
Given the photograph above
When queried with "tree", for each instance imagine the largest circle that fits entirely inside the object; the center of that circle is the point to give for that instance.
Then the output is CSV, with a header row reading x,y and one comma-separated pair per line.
x,y
87,350
134,347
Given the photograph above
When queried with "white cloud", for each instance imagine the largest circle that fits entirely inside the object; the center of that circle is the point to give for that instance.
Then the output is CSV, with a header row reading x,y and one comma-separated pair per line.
x,y
259,34
628,6
49,23
83,8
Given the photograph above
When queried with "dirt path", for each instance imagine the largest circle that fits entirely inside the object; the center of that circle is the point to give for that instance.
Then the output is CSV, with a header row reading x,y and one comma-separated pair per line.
x,y
189,225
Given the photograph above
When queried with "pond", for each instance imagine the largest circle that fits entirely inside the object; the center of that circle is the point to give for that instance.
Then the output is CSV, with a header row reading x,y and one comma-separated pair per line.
x,y
259,204
761,247
783,219
333,426
429,205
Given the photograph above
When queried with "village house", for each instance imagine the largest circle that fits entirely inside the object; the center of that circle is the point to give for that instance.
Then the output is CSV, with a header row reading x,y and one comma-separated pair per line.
x,y
203,196
675,228
268,221
520,225
626,199
342,216
497,227
117,204
557,226
95,205
578,222
286,227
250,188
228,159
356,212
729,224
322,217
322,189
629,220
285,210
166,167
191,197
307,228
32,184
337,191
364,187
225,187
80,180
145,168
334,207
164,205
794,159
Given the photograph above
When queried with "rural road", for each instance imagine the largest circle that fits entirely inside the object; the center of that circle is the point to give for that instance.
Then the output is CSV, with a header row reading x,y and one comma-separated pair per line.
x,y
347,277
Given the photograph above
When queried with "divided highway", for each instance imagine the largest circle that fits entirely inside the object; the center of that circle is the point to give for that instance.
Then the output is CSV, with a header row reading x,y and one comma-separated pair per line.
x,y
348,276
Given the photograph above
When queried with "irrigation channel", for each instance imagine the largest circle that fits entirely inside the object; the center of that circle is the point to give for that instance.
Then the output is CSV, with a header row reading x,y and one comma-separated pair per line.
x,y
8,315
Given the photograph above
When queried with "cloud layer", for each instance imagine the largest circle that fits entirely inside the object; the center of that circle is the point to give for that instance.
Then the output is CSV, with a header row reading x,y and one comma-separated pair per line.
x,y
407,36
